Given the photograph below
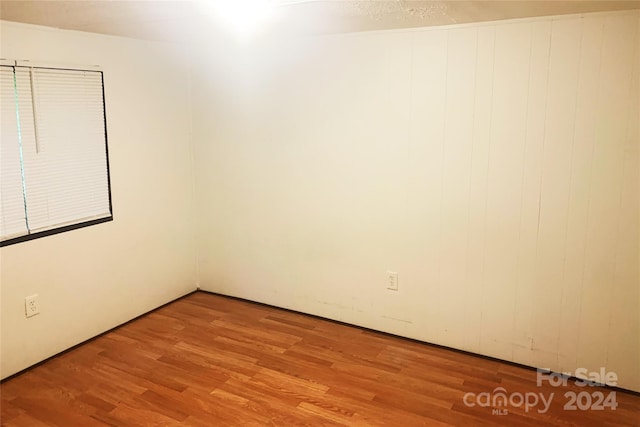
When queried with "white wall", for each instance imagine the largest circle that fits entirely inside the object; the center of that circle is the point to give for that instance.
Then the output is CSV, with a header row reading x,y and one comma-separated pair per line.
x,y
494,166
92,279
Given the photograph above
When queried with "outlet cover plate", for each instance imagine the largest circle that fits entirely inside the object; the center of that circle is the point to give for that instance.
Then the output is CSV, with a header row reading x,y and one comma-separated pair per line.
x,y
31,307
392,280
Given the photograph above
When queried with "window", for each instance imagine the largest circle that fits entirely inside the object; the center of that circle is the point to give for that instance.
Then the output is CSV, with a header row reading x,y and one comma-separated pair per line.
x,y
54,167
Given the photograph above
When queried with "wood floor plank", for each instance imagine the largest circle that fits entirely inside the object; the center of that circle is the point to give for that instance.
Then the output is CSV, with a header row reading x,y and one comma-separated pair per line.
x,y
209,360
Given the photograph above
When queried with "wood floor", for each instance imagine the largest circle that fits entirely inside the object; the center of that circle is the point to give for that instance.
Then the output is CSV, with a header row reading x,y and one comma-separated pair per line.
x,y
207,360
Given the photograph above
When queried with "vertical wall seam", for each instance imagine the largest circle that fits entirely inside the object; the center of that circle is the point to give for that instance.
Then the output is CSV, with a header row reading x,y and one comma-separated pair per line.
x,y
473,141
486,183
524,152
586,230
194,194
442,142
571,169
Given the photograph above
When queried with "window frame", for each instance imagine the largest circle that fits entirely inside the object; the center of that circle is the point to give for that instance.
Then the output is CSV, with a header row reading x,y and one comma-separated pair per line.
x,y
81,224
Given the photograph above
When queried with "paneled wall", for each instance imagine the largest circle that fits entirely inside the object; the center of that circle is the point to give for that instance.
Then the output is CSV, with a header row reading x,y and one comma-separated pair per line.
x,y
493,166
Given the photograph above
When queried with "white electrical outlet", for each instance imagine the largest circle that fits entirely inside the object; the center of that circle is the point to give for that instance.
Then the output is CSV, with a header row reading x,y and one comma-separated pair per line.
x,y
31,307
392,280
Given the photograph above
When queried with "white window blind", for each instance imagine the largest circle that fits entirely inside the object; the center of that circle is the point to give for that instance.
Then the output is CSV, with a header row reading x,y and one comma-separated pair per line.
x,y
54,161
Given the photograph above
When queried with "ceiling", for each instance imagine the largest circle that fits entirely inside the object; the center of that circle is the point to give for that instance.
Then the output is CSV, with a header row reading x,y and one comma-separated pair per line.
x,y
184,20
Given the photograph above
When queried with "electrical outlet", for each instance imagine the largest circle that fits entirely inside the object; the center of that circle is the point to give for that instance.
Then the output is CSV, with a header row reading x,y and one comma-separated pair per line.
x,y
392,280
31,307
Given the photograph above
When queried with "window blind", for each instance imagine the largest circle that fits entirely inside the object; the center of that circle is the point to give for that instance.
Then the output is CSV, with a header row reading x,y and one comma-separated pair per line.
x,y
54,153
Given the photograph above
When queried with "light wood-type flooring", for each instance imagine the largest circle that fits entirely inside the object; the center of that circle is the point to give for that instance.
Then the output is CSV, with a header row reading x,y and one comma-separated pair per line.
x,y
208,360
